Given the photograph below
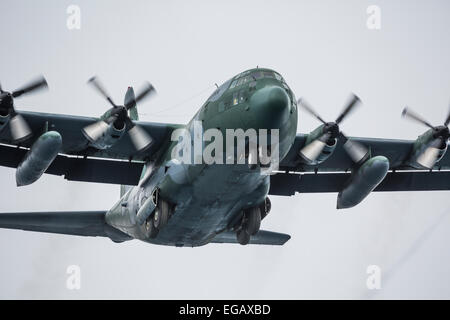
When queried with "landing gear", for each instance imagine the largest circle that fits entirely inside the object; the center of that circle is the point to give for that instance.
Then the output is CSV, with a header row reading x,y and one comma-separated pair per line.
x,y
243,237
265,208
161,215
253,217
158,220
251,222
150,230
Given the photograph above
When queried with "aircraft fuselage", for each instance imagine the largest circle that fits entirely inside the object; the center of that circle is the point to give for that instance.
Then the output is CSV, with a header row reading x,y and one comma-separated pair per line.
x,y
208,199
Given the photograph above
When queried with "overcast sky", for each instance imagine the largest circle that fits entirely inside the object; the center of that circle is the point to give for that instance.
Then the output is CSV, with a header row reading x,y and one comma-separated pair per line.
x,y
325,51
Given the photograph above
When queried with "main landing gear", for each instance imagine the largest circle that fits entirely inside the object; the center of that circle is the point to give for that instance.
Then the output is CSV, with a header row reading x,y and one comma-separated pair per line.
x,y
250,225
251,221
158,220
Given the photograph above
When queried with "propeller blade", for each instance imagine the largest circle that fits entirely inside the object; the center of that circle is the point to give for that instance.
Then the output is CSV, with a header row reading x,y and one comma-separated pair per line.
x,y
34,85
429,157
1,89
146,91
19,128
354,101
446,123
303,103
130,98
313,149
101,89
94,131
357,151
140,138
407,113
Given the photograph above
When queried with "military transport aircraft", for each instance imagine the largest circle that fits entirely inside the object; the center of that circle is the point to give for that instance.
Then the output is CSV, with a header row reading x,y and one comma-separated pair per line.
x,y
178,204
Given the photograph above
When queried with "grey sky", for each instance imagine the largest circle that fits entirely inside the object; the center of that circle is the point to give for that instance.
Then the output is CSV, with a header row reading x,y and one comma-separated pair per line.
x,y
324,50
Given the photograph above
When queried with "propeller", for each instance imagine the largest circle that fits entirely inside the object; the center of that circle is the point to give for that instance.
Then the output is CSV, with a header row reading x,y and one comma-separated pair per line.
x,y
331,131
118,115
441,134
20,130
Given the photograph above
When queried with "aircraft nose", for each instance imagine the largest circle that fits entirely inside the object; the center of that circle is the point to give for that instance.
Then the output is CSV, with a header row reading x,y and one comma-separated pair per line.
x,y
270,107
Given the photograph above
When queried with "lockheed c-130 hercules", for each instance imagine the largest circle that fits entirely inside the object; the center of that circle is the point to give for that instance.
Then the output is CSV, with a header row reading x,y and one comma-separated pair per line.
x,y
166,202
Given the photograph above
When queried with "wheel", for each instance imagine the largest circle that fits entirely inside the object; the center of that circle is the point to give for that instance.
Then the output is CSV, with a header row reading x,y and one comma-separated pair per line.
x,y
149,229
253,221
161,215
265,208
243,237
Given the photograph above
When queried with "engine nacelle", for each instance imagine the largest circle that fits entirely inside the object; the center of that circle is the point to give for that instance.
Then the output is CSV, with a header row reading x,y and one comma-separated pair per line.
x,y
327,150
419,153
39,158
363,181
4,119
106,140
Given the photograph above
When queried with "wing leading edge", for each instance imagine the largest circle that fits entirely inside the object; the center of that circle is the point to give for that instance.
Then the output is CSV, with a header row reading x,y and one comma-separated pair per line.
x,y
80,169
396,151
285,184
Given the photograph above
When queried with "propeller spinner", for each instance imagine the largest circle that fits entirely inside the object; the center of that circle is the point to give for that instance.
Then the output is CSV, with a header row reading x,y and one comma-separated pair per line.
x,y
440,136
118,116
331,131
18,126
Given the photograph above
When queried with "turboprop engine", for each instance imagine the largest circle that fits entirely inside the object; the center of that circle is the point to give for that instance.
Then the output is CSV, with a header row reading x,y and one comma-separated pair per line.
x,y
431,146
19,128
103,135
321,142
116,121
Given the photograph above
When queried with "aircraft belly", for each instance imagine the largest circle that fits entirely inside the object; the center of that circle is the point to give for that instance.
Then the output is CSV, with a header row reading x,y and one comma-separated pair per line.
x,y
210,202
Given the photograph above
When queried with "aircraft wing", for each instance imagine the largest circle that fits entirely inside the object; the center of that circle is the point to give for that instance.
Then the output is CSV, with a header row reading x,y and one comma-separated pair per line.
x,y
396,151
74,142
262,237
333,174
119,164
79,223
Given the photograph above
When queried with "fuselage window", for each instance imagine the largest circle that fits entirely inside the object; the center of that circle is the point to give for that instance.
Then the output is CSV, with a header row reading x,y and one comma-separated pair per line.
x,y
242,96
235,98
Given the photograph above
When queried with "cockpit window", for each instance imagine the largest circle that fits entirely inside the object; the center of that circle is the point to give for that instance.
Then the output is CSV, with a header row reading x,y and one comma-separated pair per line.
x,y
268,74
247,77
219,91
235,98
257,75
278,77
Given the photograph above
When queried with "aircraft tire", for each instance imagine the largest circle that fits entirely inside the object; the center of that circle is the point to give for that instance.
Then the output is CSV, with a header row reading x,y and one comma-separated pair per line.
x,y
150,230
253,221
243,237
162,213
